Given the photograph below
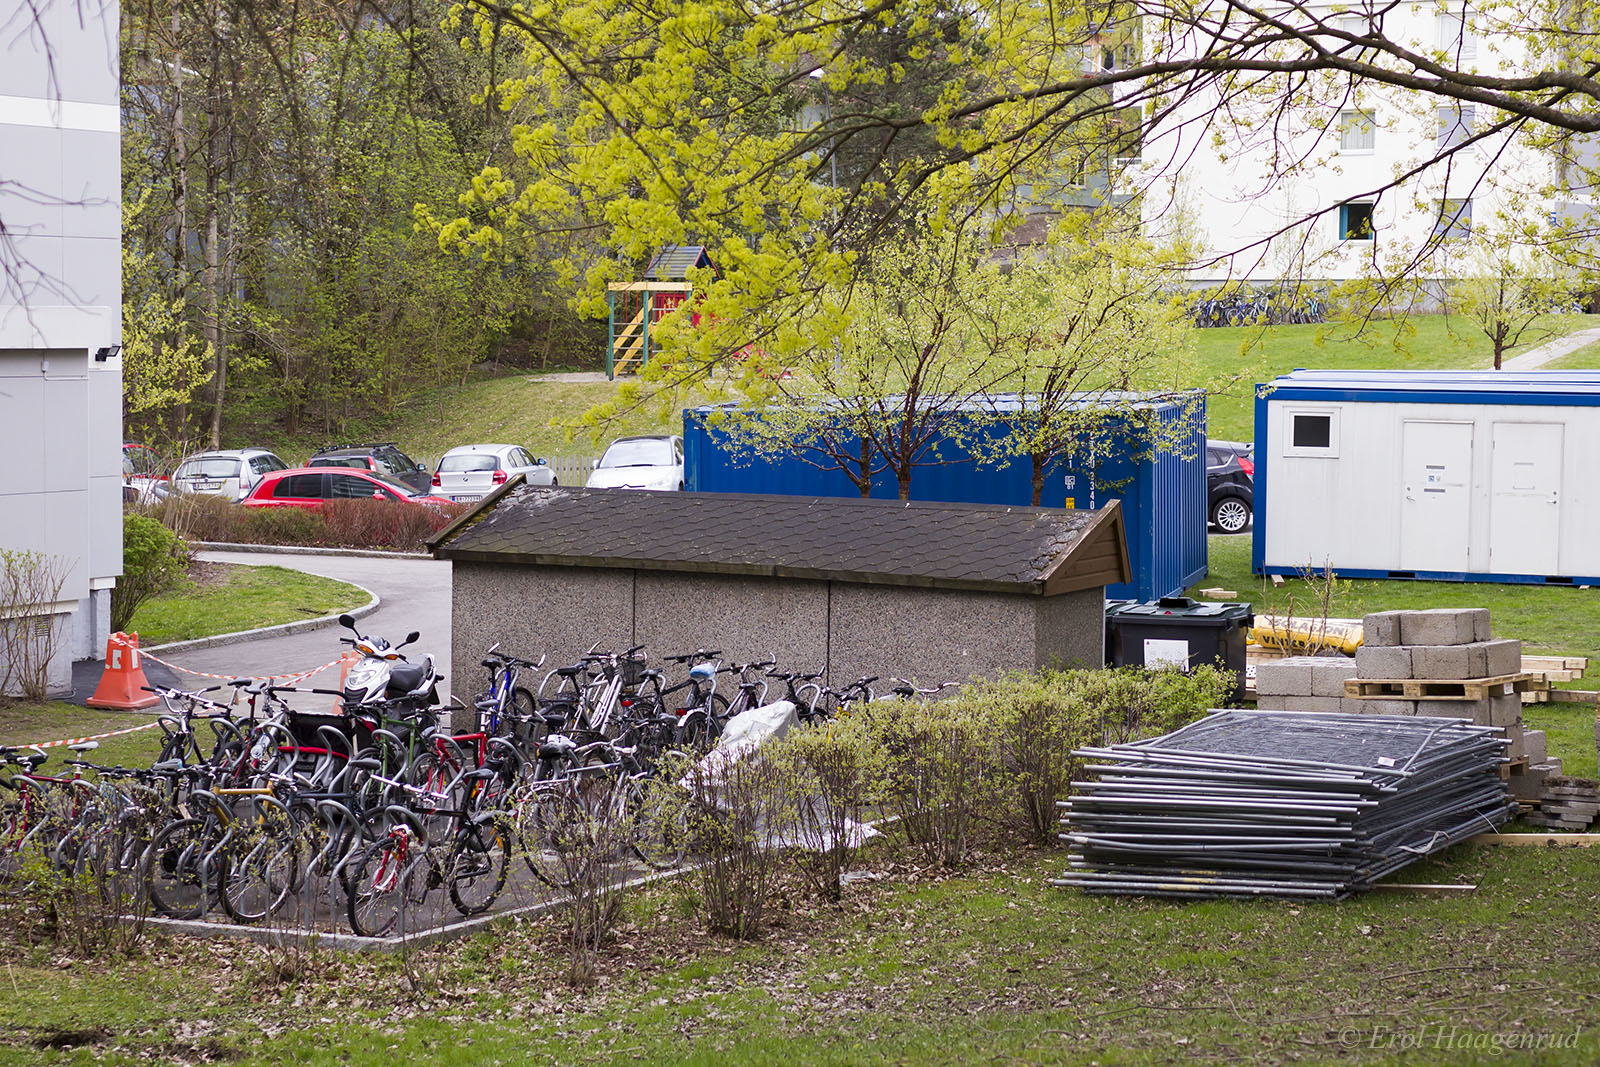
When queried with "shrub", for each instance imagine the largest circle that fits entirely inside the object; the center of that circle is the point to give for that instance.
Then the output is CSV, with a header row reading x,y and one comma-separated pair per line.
x,y
1039,719
277,526
937,770
153,560
736,820
830,770
200,516
338,524
383,524
30,586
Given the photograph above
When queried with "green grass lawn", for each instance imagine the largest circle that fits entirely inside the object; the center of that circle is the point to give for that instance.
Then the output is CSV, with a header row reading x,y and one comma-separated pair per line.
x,y
1585,358
1231,360
32,724
516,410
232,597
988,965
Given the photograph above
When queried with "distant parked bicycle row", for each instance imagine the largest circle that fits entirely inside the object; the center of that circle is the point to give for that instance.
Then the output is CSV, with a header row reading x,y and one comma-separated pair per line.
x,y
1270,307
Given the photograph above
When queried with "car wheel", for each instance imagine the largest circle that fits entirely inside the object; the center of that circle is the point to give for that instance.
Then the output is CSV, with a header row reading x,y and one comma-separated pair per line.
x,y
1230,515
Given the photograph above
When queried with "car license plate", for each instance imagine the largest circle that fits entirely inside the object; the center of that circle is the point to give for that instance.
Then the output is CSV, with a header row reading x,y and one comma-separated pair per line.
x,y
467,498
207,487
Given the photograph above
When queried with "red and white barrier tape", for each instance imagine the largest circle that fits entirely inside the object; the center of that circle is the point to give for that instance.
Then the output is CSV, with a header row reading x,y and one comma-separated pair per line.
x,y
288,679
91,737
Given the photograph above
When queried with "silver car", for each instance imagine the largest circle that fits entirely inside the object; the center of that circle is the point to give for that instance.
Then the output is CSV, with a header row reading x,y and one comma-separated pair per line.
x,y
472,472
229,472
654,462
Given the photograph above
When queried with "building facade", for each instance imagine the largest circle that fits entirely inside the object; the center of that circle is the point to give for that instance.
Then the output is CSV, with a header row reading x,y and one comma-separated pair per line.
x,y
1339,184
61,309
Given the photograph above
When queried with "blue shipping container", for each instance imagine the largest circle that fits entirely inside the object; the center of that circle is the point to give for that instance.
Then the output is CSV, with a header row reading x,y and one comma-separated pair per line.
x,y
1163,494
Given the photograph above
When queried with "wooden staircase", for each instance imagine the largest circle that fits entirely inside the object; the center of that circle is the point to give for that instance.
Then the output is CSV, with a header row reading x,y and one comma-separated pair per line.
x,y
627,347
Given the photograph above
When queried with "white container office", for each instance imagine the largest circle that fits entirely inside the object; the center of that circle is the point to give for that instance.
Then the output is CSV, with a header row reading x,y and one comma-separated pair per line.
x,y
1453,475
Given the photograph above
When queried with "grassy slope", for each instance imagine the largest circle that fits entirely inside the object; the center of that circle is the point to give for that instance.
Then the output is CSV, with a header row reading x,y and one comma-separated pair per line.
x,y
1229,360
1585,358
515,410
990,965
248,597
1233,359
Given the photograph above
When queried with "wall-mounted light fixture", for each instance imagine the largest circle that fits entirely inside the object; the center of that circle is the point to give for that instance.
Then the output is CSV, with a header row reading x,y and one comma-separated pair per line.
x,y
107,352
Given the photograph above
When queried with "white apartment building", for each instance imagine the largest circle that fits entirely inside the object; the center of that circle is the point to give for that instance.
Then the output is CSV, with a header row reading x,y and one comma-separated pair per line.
x,y
61,307
1335,186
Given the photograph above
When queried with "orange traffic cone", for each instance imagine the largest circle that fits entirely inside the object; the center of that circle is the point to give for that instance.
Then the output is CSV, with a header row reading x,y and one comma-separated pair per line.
x,y
122,685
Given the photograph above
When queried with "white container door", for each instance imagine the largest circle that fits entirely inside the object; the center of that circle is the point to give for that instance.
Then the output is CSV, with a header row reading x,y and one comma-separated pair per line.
x,y
1525,506
1436,464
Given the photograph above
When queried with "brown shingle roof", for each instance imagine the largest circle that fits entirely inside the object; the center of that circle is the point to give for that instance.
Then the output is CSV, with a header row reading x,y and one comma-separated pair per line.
x,y
916,543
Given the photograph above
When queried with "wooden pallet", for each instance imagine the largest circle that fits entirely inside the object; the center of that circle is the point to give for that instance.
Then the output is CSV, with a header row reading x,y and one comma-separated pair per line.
x,y
1437,689
1544,693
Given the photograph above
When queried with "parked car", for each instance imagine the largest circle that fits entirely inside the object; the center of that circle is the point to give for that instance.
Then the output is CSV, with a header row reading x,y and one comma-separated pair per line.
x,y
471,472
311,487
640,463
232,473
144,473
382,458
1230,484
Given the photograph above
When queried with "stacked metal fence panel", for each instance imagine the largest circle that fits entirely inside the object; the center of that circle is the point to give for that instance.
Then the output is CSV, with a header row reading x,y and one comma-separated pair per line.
x,y
1296,804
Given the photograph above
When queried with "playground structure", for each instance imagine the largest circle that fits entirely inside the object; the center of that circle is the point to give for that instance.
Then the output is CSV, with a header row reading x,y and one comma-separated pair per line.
x,y
636,307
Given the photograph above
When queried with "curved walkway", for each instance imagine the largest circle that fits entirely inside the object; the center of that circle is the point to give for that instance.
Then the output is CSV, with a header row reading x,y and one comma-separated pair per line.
x,y
1535,358
415,594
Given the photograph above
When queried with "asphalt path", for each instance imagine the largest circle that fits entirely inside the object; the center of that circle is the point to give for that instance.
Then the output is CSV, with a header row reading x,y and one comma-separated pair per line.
x,y
415,595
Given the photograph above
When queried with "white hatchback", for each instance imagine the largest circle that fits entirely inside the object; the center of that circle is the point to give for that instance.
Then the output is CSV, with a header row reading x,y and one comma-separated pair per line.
x,y
471,472
640,463
231,472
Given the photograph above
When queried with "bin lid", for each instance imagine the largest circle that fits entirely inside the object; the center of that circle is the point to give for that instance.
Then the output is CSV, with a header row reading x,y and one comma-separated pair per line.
x,y
1180,607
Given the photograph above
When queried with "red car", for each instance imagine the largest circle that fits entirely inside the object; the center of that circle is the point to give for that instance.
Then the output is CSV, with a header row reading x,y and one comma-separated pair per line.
x,y
311,487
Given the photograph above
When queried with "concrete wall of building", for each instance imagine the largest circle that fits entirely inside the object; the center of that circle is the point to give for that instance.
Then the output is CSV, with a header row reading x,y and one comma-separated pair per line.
x,y
61,302
846,629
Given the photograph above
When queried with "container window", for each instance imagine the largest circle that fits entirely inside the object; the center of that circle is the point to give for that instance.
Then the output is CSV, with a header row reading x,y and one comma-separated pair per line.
x,y
1313,431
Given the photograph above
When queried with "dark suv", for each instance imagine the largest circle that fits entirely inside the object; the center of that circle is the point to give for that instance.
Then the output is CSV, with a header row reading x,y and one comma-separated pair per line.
x,y
384,458
1230,484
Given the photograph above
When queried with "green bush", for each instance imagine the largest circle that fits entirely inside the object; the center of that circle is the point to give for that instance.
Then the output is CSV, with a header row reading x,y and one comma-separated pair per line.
x,y
828,770
337,524
278,526
936,770
154,559
1037,720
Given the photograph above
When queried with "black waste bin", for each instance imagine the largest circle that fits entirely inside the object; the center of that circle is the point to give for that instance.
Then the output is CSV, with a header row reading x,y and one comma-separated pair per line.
x,y
1177,631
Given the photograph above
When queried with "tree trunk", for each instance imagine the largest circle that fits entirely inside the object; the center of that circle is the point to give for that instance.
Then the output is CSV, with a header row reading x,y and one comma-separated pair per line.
x,y
180,205
1038,478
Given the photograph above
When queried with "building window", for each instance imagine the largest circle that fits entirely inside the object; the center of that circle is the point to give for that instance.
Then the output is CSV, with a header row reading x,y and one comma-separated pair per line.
x,y
1454,220
1313,433
1456,125
1355,222
1456,37
1357,133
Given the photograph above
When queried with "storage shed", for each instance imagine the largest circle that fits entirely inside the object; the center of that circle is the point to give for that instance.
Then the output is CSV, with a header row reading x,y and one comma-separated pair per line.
x,y
1162,492
1453,475
929,591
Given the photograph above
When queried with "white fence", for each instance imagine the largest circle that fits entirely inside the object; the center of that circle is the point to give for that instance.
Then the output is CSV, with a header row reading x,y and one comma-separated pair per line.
x,y
571,470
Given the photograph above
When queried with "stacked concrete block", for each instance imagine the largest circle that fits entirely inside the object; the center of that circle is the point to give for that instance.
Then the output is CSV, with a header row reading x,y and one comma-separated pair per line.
x,y
1304,683
1569,804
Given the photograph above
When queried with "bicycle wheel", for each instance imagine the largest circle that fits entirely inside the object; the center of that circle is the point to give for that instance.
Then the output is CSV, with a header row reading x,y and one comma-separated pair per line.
x,y
381,885
257,880
660,824
177,886
542,819
527,726
477,866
